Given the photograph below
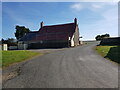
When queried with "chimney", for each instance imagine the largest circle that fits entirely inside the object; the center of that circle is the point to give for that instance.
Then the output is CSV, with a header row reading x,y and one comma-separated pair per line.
x,y
75,21
41,24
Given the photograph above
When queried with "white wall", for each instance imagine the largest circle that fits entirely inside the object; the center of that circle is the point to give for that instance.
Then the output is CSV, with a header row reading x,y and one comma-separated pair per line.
x,y
72,41
22,46
4,47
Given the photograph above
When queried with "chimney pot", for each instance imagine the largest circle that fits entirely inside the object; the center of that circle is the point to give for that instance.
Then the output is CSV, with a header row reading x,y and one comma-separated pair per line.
x,y
75,21
42,24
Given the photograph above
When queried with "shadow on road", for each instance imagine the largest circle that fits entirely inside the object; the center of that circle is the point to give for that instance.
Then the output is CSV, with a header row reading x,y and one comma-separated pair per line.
x,y
114,54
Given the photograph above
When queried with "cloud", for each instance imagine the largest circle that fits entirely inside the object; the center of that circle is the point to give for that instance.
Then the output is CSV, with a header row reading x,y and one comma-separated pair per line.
x,y
59,0
102,5
77,6
92,6
96,6
109,23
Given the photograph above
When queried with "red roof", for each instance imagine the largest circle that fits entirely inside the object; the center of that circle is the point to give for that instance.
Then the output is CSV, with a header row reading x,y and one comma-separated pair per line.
x,y
55,32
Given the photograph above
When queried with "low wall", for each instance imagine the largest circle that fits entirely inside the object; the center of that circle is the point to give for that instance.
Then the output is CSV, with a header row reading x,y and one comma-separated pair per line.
x,y
49,44
110,41
13,47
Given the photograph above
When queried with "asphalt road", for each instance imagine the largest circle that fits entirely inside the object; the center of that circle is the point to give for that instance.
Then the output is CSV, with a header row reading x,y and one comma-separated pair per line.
x,y
79,67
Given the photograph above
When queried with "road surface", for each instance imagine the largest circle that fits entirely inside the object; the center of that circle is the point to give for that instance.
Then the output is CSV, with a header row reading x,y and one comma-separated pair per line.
x,y
79,67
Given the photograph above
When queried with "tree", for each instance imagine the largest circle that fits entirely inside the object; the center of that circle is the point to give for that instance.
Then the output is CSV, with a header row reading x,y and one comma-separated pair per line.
x,y
21,31
107,35
2,40
9,41
100,37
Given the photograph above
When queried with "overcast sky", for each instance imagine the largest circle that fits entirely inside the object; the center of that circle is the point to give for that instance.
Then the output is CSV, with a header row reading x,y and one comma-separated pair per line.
x,y
94,18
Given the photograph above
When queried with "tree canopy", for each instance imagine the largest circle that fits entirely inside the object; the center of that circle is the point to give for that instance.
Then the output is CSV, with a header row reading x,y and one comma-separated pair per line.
x,y
100,37
21,31
9,41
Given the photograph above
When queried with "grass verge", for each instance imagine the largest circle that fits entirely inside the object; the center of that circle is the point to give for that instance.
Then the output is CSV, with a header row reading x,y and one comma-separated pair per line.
x,y
110,52
11,57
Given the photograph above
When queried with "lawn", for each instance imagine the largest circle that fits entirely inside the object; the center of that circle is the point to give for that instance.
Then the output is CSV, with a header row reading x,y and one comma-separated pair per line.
x,y
110,52
11,57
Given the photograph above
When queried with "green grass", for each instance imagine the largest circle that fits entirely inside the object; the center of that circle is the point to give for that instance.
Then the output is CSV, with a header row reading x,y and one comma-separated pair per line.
x,y
110,52
11,57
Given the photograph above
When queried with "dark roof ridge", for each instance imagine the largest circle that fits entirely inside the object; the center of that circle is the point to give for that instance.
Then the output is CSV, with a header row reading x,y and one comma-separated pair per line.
x,y
58,24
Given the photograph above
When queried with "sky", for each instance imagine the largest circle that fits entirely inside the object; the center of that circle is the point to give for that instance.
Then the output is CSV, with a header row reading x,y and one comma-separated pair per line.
x,y
94,18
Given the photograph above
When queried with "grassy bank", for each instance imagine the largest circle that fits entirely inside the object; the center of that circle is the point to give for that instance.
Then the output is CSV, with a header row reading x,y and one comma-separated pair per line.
x,y
110,52
11,57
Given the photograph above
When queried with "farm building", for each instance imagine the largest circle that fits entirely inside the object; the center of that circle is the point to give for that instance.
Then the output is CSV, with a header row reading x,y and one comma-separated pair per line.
x,y
110,41
62,35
